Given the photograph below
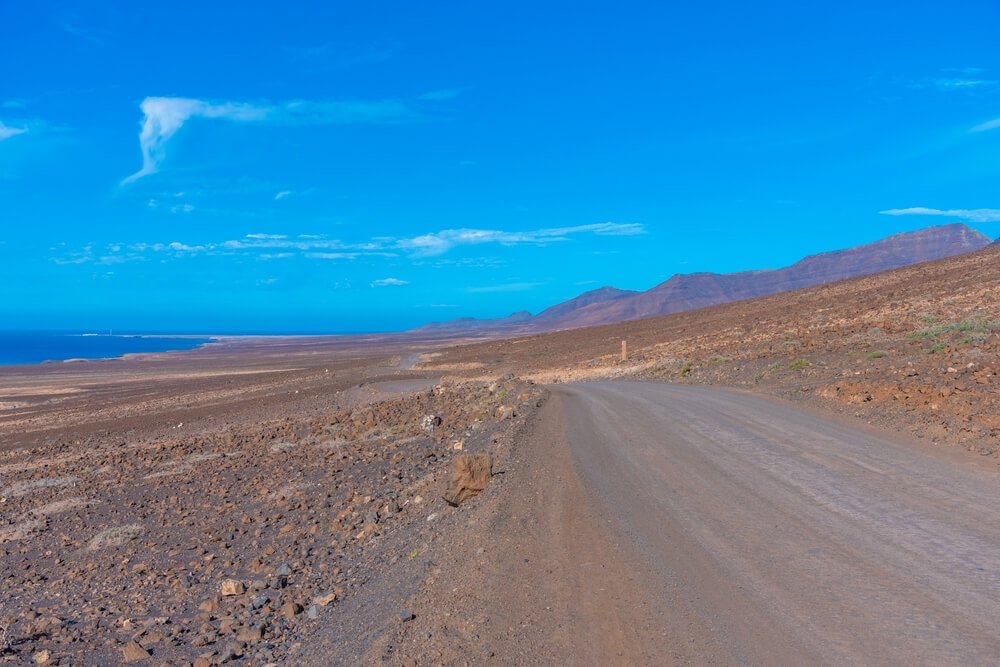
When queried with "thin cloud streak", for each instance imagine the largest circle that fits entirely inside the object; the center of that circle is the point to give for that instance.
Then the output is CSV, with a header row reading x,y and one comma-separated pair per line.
x,y
6,132
278,246
964,84
389,282
987,126
969,214
438,243
164,116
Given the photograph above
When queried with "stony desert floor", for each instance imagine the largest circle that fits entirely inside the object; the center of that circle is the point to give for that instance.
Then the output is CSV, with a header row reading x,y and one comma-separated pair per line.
x,y
280,502
206,508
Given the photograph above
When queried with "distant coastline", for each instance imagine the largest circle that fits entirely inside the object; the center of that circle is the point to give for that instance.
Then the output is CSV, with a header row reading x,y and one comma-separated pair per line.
x,y
29,348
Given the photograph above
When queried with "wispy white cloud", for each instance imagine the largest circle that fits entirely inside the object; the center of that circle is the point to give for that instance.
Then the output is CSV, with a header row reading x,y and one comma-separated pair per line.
x,y
281,195
988,125
164,116
6,132
968,214
389,282
437,243
963,83
268,246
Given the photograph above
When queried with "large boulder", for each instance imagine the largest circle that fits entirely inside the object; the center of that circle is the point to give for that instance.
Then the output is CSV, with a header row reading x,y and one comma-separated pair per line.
x,y
470,474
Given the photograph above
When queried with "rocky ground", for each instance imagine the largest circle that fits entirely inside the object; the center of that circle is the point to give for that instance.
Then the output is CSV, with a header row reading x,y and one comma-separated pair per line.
x,y
281,503
916,349
255,542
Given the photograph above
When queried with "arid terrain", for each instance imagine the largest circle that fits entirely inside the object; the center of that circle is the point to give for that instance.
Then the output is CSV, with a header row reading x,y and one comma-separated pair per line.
x,y
916,349
280,502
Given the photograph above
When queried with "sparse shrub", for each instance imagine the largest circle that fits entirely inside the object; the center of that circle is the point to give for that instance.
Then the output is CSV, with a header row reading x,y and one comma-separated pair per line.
x,y
940,346
798,365
978,329
770,370
877,354
685,369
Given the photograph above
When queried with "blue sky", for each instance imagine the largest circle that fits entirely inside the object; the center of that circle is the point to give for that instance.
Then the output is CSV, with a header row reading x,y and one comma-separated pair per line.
x,y
306,167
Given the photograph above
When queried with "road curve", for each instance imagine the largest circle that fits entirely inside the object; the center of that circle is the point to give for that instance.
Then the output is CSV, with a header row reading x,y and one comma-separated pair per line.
x,y
776,536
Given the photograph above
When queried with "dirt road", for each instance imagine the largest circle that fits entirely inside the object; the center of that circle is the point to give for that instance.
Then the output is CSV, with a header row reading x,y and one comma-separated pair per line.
x,y
656,524
792,536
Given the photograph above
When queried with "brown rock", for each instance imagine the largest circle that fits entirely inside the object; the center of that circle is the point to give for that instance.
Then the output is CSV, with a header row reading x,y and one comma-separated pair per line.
x,y
233,587
324,600
290,610
503,412
470,474
132,652
250,635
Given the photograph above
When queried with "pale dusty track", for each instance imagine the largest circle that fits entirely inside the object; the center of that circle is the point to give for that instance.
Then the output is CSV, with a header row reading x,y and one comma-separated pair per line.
x,y
644,523
792,537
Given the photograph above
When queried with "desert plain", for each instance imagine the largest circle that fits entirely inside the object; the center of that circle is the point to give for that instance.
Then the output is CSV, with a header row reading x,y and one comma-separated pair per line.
x,y
280,500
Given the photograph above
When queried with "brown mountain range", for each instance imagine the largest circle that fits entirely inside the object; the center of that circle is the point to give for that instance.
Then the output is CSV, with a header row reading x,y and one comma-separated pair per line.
x,y
684,292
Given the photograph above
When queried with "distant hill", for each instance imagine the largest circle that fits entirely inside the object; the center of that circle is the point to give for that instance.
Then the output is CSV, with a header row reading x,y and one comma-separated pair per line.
x,y
698,290
473,324
561,311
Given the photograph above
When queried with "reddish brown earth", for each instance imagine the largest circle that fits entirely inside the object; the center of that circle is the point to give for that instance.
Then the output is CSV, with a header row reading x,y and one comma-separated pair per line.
x,y
230,504
150,505
916,349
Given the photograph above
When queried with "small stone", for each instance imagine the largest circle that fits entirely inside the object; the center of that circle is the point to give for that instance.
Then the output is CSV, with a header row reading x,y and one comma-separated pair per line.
x,y
284,570
429,422
312,612
324,600
132,652
406,616
42,657
259,601
290,610
202,661
232,651
432,516
232,587
250,635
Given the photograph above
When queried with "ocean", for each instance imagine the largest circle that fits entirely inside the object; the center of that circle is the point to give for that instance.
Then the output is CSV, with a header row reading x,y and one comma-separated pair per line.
x,y
35,347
